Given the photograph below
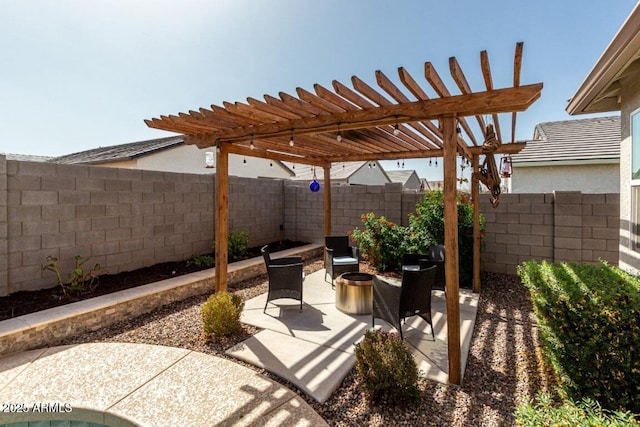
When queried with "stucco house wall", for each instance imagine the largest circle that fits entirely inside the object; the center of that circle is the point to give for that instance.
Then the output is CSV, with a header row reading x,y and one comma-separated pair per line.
x,y
629,258
190,159
588,178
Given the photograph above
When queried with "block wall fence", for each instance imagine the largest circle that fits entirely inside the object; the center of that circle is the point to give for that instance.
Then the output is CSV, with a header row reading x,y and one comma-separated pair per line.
x,y
126,219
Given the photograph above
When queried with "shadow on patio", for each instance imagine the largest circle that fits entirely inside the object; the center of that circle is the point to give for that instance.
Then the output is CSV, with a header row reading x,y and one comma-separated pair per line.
x,y
314,349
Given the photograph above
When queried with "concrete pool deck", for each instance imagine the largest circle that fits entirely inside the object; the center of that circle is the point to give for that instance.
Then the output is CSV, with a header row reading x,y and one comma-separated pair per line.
x,y
118,385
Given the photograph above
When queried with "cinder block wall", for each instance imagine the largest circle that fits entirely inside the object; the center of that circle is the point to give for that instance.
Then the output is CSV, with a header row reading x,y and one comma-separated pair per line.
x,y
122,219
257,207
304,210
126,219
560,226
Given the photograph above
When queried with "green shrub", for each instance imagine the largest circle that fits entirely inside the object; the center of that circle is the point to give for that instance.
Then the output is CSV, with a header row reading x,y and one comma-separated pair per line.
x,y
588,317
426,226
386,369
201,261
79,279
221,314
382,242
238,245
237,248
587,412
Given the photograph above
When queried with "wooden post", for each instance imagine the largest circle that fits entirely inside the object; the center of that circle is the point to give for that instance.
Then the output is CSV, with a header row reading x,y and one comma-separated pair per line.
x,y
327,200
475,200
222,216
451,249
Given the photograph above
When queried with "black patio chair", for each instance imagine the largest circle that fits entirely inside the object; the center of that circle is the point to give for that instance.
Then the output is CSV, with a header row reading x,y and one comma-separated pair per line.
x,y
394,303
434,256
340,257
285,277
411,261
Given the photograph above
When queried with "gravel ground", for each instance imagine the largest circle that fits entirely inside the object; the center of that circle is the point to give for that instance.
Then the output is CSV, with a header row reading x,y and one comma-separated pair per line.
x,y
504,367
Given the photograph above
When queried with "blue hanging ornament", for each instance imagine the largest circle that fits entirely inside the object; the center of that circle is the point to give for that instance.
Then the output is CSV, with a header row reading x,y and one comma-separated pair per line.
x,y
314,186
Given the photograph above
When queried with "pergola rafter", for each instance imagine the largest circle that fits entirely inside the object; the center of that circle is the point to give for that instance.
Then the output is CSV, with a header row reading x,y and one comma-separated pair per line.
x,y
364,123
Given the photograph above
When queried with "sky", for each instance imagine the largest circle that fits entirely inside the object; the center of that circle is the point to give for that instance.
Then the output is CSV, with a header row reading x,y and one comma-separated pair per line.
x,y
80,74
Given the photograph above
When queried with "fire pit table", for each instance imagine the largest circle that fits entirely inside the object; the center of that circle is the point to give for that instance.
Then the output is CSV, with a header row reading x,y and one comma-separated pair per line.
x,y
354,293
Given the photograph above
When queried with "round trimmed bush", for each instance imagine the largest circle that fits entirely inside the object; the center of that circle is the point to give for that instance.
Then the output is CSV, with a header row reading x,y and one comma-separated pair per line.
x,y
386,369
221,314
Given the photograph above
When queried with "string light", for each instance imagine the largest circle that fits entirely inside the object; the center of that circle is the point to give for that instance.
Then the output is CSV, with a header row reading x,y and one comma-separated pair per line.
x,y
396,130
244,161
291,139
339,135
270,164
251,144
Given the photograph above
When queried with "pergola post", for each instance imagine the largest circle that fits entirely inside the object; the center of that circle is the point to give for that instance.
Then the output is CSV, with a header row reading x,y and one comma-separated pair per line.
x,y
451,248
475,200
222,216
327,200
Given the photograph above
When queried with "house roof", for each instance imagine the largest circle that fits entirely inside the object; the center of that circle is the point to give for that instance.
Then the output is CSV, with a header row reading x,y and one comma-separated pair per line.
x,y
573,140
120,152
129,151
27,157
341,171
401,175
600,90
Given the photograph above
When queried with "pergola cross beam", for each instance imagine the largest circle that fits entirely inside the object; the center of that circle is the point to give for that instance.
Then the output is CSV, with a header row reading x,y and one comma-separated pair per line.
x,y
496,101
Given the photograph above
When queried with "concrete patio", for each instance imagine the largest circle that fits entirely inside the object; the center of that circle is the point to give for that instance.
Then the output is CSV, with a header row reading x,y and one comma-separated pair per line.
x,y
314,349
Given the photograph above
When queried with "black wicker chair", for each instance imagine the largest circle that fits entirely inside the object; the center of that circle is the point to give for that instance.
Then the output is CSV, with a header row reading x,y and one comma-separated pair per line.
x,y
340,257
285,277
412,297
412,261
434,256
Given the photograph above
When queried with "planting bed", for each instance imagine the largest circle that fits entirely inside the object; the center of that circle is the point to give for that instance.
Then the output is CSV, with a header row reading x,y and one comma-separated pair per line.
x,y
21,303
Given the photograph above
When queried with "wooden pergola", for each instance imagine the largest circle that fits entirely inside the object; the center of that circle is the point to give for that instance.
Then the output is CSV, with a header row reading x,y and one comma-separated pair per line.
x,y
393,121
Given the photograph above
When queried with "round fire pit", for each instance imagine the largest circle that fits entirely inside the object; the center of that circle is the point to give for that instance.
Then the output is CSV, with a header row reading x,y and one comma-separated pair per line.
x,y
354,293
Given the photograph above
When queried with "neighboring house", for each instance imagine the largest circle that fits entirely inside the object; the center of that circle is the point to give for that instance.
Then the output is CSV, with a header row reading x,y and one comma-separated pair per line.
x,y
343,173
172,155
408,178
613,84
571,155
